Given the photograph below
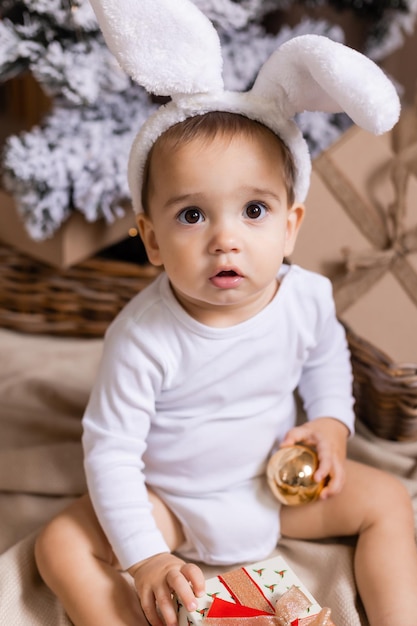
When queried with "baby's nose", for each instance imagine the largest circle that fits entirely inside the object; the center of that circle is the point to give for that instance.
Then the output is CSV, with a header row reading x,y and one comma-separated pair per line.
x,y
225,238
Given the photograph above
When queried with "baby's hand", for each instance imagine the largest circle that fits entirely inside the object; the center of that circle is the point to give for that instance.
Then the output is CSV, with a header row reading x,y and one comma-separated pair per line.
x,y
328,436
158,577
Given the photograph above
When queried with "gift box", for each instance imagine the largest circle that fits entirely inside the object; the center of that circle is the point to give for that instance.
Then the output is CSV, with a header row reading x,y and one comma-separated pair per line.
x,y
267,592
25,104
360,230
75,241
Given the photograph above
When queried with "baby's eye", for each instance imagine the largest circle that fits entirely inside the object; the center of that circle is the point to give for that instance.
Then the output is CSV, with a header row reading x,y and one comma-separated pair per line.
x,y
255,210
191,215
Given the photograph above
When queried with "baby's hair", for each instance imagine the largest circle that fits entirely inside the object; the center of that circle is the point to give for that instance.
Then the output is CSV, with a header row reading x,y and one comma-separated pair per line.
x,y
210,125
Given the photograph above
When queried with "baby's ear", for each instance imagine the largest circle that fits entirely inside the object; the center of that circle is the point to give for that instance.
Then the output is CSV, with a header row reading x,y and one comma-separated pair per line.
x,y
294,220
148,236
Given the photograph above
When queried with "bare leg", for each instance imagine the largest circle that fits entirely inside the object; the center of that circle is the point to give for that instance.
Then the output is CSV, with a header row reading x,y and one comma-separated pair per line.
x,y
76,562
377,508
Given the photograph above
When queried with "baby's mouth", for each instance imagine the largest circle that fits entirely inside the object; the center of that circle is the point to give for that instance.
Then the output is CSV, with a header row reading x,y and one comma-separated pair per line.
x,y
227,273
226,279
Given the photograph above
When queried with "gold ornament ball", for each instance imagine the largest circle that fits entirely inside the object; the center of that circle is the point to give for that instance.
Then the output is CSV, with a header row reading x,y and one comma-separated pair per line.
x,y
290,474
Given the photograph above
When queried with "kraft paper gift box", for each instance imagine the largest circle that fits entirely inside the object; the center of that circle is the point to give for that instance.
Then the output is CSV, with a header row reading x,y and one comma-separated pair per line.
x,y
25,106
74,242
264,593
360,230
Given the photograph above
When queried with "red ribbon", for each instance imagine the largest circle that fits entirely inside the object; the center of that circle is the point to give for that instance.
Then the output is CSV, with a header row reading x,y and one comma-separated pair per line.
x,y
251,606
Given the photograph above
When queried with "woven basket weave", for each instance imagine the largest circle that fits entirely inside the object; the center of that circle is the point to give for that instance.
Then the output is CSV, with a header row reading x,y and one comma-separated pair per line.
x,y
385,392
82,301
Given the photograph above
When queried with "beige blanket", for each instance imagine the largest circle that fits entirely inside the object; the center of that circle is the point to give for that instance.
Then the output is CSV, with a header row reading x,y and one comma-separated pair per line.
x,y
44,385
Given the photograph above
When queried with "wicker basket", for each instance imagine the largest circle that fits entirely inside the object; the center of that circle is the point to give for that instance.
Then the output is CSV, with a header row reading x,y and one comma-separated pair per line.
x,y
79,301
82,301
385,393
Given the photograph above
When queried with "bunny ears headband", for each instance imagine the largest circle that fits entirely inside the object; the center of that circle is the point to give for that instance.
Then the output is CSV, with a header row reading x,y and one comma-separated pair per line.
x,y
171,48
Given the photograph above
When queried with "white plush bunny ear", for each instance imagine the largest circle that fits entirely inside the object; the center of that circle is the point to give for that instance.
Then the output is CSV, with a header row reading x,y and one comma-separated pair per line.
x,y
318,74
167,46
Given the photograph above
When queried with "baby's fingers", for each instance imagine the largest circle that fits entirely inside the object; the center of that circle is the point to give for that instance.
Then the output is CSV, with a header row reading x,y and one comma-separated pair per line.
x,y
299,434
196,578
326,462
163,597
188,583
335,479
180,585
148,604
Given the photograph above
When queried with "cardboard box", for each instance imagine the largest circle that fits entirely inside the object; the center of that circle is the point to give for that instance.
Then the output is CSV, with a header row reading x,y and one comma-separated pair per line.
x,y
243,594
75,241
397,64
360,230
25,105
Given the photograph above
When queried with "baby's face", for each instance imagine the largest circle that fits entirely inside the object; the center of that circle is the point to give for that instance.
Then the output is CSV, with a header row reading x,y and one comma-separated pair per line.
x,y
220,224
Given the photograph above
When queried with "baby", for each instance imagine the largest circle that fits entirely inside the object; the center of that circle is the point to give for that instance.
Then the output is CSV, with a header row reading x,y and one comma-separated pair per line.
x,y
195,391
196,386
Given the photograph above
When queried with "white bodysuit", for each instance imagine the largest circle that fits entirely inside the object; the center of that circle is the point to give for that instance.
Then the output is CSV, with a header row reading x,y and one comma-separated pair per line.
x,y
196,411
